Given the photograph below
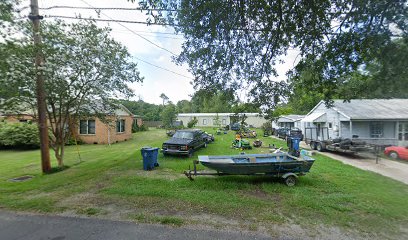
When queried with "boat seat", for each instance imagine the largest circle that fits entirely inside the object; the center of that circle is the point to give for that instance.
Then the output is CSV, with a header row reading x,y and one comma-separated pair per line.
x,y
252,159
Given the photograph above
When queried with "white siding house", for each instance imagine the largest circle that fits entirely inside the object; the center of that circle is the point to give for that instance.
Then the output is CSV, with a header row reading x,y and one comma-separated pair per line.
x,y
289,121
207,119
377,121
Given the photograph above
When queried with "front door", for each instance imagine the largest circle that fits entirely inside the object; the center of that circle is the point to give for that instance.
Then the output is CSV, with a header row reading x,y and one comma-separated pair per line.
x,y
403,134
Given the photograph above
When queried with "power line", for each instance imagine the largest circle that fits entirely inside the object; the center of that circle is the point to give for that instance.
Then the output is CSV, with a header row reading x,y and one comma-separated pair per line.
x,y
148,35
151,42
109,8
111,20
148,41
168,70
164,33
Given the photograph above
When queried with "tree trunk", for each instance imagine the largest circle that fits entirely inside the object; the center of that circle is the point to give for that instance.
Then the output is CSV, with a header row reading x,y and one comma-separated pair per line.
x,y
59,154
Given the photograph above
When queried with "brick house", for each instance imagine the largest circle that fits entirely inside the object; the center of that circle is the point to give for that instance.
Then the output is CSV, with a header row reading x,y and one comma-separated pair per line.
x,y
116,127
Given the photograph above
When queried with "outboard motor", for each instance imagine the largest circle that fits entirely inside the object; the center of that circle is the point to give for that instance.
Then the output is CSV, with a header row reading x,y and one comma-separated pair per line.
x,y
293,145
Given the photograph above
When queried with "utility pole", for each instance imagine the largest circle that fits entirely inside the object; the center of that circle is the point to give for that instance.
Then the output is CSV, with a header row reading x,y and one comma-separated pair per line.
x,y
41,105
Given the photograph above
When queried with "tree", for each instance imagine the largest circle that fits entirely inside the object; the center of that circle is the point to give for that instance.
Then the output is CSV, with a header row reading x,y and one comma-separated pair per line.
x,y
164,98
184,106
217,121
192,122
206,101
237,44
149,111
84,70
6,10
169,115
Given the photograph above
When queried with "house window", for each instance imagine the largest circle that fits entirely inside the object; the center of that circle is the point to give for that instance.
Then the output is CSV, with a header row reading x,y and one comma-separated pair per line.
x,y
87,127
330,125
204,121
376,129
120,126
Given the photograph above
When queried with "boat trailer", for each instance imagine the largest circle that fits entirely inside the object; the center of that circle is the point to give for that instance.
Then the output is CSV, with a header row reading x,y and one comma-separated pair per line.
x,y
289,178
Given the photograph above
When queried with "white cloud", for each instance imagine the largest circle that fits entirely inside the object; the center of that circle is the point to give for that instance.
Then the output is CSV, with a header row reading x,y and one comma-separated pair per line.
x,y
157,80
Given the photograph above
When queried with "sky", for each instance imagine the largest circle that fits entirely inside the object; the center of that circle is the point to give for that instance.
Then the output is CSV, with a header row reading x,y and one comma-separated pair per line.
x,y
175,83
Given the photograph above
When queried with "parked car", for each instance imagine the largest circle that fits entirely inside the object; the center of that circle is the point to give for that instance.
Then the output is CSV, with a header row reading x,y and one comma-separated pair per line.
x,y
397,152
295,132
284,133
235,126
207,137
184,142
281,132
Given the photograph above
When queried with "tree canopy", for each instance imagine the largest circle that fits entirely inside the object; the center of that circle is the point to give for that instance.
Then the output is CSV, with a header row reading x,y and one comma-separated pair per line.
x,y
84,70
237,44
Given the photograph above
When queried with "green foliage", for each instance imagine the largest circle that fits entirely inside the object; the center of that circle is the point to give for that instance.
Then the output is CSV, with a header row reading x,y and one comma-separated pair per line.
x,y
238,44
217,121
74,141
141,128
246,107
334,195
267,127
82,63
164,98
168,115
184,106
19,135
192,123
206,101
149,111
7,9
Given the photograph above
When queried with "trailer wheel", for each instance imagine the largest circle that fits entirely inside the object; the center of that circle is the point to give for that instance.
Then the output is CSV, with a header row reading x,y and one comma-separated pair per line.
x,y
319,147
290,181
313,145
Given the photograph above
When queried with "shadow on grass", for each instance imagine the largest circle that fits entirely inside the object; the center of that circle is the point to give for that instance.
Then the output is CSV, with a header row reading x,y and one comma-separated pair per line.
x,y
58,169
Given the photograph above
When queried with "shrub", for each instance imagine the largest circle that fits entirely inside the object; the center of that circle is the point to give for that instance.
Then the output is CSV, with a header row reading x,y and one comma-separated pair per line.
x,y
192,123
141,128
73,141
19,135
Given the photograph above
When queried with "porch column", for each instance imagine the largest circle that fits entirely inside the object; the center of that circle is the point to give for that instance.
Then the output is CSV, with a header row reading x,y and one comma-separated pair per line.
x,y
351,129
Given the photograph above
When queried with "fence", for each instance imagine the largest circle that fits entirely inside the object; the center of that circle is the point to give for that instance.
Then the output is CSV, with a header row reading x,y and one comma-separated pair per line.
x,y
153,123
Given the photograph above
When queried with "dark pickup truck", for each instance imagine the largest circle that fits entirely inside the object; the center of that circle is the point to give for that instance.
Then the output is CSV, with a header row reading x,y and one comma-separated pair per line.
x,y
184,142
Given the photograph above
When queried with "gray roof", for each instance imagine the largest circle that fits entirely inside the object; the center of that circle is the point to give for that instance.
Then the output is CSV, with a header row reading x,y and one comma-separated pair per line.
x,y
290,118
376,109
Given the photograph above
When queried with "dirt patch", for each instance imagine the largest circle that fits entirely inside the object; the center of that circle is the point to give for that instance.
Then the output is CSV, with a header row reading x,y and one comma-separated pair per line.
x,y
257,193
21,179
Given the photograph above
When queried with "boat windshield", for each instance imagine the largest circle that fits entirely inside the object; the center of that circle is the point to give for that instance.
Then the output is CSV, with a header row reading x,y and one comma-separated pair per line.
x,y
184,135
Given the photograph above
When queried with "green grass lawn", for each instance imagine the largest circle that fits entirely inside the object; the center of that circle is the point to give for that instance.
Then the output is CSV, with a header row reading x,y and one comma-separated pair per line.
x,y
109,182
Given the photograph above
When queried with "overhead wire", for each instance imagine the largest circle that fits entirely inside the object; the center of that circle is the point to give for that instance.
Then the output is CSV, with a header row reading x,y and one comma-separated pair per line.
x,y
124,26
109,8
111,20
163,68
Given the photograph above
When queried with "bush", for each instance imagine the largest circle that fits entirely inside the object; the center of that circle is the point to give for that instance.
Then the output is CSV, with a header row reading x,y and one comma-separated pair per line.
x,y
141,128
19,135
192,123
73,141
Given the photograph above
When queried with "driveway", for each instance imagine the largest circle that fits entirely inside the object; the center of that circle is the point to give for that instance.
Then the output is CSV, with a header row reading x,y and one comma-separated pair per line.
x,y
392,169
35,227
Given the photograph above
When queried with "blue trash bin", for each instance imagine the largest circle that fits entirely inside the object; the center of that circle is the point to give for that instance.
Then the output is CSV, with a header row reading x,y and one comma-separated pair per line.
x,y
155,156
150,155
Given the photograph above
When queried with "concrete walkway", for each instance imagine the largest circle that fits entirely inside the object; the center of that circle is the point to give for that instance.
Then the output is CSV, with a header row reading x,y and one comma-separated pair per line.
x,y
392,169
35,227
